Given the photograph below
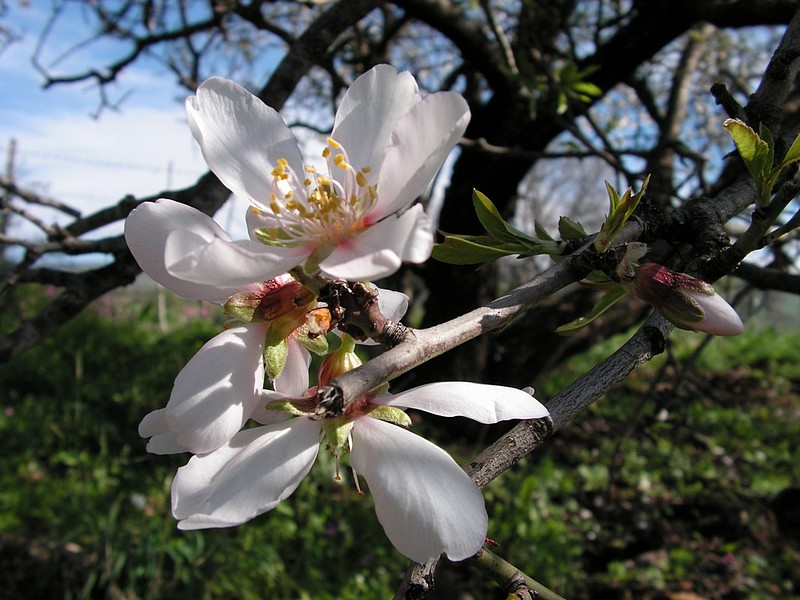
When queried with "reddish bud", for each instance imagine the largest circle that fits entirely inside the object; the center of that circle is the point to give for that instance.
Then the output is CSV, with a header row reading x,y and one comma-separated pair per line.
x,y
688,302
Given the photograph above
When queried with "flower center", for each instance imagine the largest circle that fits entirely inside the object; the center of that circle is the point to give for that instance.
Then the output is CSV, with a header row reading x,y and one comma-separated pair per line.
x,y
316,207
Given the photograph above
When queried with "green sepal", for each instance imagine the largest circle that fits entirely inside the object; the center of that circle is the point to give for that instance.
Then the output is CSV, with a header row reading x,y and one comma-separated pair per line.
x,y
390,414
243,306
284,406
337,431
317,344
275,355
606,301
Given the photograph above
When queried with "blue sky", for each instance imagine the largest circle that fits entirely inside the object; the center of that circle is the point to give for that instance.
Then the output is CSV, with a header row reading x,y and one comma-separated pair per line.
x,y
66,153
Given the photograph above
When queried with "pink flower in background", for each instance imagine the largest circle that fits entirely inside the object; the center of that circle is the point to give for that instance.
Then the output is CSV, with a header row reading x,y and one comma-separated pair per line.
x,y
353,222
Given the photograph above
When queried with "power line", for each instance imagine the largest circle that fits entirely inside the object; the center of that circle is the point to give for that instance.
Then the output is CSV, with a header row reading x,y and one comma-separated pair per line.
x,y
107,164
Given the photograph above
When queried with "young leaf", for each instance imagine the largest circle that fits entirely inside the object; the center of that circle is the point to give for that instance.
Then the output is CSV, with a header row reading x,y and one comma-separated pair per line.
x,y
570,230
606,301
470,250
490,218
495,225
753,150
793,154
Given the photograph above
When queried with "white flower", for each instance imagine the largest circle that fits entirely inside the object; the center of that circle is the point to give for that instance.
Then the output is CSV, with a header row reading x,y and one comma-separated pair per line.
x,y
425,502
355,222
219,388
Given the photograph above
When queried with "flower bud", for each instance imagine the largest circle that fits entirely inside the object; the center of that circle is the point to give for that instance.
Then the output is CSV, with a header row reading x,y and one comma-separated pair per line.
x,y
343,359
688,302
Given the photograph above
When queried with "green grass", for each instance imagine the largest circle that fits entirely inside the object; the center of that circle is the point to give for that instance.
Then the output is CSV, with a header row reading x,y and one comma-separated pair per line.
x,y
655,490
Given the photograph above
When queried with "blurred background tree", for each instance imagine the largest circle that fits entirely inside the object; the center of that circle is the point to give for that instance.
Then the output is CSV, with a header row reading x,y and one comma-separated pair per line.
x,y
563,95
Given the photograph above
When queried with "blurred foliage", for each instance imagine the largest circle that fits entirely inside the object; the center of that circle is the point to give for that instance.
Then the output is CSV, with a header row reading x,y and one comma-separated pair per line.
x,y
667,486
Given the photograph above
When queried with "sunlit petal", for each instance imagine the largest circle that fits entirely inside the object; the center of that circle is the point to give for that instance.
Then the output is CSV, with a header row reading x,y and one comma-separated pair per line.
x,y
378,251
293,380
425,502
162,439
369,112
146,231
218,389
480,402
227,263
241,138
246,477
419,146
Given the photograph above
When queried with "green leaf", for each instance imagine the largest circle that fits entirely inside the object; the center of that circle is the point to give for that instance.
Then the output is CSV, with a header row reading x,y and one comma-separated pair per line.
x,y
769,159
495,225
606,301
490,217
541,232
570,230
753,150
470,250
793,154
585,88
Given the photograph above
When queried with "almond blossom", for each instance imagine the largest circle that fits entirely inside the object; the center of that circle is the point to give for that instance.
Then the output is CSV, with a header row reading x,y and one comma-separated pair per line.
x,y
425,502
356,220
219,388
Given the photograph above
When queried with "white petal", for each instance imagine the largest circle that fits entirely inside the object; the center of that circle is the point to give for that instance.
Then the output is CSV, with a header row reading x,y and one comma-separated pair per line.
x,y
369,112
424,501
720,318
146,231
359,260
419,240
378,251
218,389
241,138
393,304
162,439
480,402
420,144
293,380
250,475
225,263
263,415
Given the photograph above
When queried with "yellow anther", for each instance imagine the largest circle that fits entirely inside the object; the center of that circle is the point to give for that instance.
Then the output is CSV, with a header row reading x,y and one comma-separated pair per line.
x,y
283,162
310,170
326,152
288,194
276,208
277,172
338,160
366,169
360,179
333,143
306,182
